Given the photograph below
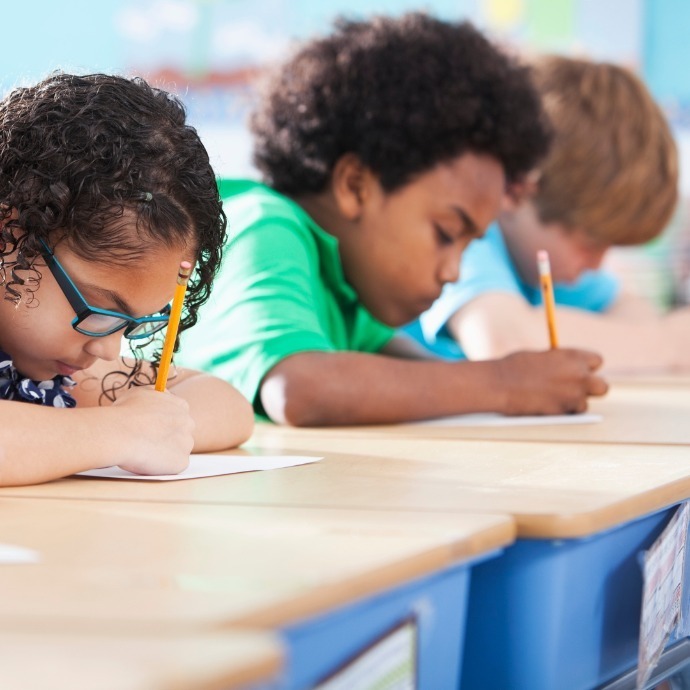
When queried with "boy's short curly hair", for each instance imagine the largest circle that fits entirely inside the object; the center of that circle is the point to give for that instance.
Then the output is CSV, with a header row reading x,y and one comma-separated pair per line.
x,y
403,94
83,158
612,170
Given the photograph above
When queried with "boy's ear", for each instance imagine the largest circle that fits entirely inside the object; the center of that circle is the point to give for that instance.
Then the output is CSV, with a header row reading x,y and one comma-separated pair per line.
x,y
350,185
519,191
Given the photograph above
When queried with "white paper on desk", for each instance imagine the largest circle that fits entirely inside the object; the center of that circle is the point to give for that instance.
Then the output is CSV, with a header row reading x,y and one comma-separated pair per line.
x,y
10,554
495,419
209,466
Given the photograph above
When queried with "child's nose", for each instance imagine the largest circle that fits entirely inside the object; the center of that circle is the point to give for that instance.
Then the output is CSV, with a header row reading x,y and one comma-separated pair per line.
x,y
107,347
450,268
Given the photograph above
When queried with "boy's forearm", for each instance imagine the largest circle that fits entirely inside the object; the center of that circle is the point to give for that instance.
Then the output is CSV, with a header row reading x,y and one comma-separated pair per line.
x,y
345,388
495,324
641,344
350,388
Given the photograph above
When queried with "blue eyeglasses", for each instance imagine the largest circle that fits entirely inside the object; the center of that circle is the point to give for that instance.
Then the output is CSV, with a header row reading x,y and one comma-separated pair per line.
x,y
98,323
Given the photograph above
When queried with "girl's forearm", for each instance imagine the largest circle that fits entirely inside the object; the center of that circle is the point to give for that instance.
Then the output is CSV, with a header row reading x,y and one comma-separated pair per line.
x,y
223,417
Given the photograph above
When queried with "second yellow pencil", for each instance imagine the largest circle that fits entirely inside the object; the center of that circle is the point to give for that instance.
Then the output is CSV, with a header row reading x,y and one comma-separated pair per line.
x,y
547,294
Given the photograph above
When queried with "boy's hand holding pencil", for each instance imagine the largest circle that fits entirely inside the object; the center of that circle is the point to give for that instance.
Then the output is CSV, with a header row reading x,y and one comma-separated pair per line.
x,y
559,381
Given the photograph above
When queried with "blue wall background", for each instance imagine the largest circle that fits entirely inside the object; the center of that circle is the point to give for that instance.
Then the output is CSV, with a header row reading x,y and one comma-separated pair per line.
x,y
205,51
200,48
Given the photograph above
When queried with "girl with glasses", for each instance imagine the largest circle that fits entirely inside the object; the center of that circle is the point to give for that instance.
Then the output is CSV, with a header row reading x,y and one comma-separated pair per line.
x,y
104,190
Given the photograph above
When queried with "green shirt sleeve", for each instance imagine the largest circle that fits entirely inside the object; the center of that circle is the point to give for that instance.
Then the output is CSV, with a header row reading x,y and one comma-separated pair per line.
x,y
262,307
280,291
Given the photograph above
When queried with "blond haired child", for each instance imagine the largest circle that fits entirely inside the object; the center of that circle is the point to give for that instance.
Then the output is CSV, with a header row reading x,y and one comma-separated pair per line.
x,y
610,179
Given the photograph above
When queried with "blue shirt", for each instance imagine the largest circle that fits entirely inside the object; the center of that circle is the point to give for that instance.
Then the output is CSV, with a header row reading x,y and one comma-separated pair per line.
x,y
488,267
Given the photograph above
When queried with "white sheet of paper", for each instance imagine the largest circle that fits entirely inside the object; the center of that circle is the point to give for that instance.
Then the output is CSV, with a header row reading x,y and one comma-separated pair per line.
x,y
209,466
495,419
17,554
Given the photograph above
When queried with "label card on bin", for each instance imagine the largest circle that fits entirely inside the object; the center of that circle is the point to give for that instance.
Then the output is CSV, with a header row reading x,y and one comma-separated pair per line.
x,y
662,592
389,662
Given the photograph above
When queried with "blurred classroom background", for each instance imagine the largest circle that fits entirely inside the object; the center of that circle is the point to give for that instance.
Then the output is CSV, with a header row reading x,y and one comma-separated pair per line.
x,y
209,51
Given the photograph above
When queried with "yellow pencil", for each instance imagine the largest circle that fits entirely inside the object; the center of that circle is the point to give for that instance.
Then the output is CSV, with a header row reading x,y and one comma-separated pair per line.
x,y
547,293
173,324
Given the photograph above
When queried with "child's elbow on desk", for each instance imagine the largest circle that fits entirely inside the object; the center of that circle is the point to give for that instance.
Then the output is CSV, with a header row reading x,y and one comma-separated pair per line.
x,y
290,394
222,415
495,325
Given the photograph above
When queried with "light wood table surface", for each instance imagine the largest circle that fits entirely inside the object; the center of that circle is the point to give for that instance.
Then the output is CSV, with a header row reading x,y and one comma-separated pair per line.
x,y
36,660
659,379
552,490
632,413
170,567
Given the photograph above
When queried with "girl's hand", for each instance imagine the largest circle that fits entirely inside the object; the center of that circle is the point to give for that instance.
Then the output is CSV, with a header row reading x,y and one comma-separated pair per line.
x,y
157,431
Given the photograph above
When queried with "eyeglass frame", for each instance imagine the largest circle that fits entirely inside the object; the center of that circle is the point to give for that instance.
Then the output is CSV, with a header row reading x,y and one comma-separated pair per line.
x,y
83,309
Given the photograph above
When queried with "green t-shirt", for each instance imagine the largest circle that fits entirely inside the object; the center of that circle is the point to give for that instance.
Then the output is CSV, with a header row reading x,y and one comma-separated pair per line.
x,y
280,291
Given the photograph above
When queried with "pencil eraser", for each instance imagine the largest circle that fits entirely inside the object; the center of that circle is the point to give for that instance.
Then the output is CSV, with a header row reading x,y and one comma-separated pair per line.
x,y
184,271
543,262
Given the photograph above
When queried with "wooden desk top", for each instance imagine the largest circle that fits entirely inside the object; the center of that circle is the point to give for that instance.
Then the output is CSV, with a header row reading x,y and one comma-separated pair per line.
x,y
33,660
555,490
174,567
660,379
632,413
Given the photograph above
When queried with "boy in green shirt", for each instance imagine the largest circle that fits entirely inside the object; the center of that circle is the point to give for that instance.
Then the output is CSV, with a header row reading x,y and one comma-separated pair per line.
x,y
386,147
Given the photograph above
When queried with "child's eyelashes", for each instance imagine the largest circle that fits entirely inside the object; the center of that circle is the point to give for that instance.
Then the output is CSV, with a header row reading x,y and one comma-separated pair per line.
x,y
444,237
448,237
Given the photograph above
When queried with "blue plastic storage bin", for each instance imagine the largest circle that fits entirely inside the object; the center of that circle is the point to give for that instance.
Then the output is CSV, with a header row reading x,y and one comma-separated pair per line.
x,y
438,603
558,614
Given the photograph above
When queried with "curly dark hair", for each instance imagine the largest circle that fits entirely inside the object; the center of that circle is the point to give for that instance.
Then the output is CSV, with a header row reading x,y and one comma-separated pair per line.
x,y
402,94
82,158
